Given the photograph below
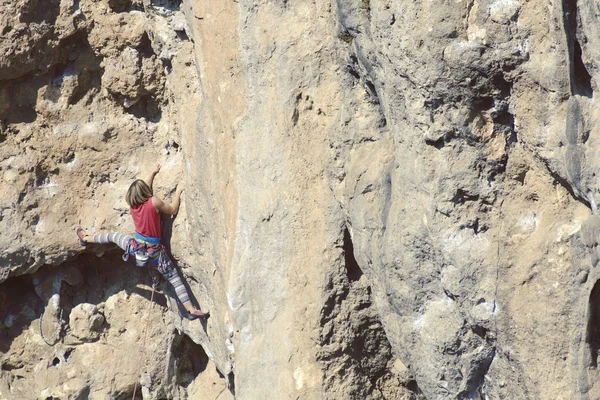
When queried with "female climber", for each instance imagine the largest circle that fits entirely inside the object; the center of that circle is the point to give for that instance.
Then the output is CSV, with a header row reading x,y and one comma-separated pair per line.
x,y
145,210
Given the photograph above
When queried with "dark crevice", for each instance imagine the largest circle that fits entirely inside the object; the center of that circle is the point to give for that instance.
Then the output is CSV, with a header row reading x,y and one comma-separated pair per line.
x,y
579,76
351,67
476,377
352,268
146,107
352,72
481,103
190,360
68,353
593,326
167,65
479,331
461,197
582,84
414,387
372,92
38,11
120,6
231,383
182,35
171,5
440,141
145,46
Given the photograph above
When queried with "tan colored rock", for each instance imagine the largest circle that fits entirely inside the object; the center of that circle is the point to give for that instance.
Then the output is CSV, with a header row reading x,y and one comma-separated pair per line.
x,y
368,183
85,322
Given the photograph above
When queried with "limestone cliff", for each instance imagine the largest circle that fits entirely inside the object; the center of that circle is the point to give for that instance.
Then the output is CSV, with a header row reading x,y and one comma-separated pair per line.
x,y
384,200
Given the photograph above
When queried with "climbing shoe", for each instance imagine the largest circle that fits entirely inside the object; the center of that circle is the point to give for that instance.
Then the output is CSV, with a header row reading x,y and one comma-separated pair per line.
x,y
81,235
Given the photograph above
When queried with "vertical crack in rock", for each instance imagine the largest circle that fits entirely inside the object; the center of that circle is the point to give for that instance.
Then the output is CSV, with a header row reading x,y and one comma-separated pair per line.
x,y
579,76
353,270
593,326
355,353
231,383
577,181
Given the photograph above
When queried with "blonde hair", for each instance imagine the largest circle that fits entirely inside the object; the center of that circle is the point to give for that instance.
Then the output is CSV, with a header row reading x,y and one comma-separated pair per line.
x,y
138,193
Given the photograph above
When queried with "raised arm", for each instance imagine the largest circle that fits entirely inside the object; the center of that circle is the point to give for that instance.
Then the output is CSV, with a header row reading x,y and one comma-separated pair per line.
x,y
173,208
150,178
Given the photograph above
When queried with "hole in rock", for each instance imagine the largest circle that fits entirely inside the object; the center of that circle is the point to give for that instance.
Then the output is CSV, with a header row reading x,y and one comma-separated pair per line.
x,y
413,387
352,268
593,327
190,360
120,6
24,114
481,104
171,5
19,305
182,35
502,85
56,361
147,108
38,11
461,197
167,65
145,46
68,353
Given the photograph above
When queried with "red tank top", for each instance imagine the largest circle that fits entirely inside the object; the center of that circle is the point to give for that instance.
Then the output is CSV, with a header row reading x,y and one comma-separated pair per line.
x,y
146,219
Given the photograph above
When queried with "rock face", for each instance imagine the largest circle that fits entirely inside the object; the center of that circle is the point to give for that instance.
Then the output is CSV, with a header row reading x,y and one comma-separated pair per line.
x,y
383,199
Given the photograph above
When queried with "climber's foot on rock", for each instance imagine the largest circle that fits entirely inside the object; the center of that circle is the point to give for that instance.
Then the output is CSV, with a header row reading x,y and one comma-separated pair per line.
x,y
81,236
195,314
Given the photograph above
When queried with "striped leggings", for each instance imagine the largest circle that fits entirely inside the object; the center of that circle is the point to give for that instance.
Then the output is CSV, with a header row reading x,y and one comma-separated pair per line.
x,y
167,269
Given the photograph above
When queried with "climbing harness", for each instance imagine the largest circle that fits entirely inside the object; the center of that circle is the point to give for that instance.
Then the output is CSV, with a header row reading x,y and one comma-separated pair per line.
x,y
154,284
58,331
145,252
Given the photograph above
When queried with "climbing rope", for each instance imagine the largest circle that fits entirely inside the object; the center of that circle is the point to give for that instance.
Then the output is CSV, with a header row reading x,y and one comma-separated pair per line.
x,y
154,283
60,322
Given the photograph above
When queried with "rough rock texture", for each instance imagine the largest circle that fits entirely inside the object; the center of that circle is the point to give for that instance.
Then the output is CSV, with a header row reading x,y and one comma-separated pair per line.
x,y
103,339
383,199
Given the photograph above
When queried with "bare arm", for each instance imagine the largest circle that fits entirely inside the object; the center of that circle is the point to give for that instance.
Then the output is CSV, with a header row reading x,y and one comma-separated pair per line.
x,y
150,178
173,208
